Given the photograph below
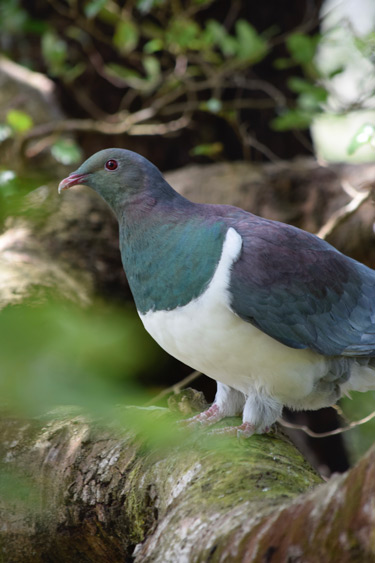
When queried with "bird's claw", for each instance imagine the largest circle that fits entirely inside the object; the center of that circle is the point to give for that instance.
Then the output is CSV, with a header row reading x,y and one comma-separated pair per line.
x,y
210,416
245,430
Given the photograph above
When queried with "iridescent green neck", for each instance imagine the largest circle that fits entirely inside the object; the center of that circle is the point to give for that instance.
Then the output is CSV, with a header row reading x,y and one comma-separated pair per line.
x,y
169,260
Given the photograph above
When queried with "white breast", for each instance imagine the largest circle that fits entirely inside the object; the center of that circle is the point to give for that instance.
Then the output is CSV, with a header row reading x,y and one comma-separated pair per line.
x,y
208,336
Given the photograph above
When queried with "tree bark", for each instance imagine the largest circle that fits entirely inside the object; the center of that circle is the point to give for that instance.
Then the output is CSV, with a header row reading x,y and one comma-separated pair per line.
x,y
97,495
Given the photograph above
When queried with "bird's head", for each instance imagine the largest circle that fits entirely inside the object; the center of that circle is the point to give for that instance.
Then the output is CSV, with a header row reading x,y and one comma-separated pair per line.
x,y
118,175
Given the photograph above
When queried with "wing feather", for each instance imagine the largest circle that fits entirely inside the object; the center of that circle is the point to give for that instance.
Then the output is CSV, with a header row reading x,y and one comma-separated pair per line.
x,y
302,291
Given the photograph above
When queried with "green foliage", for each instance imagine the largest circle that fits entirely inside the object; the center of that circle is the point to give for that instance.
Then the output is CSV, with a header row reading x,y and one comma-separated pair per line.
x,y
92,8
172,59
19,121
182,35
364,136
13,188
311,94
144,83
66,151
310,97
13,18
361,437
126,36
366,44
302,47
292,119
251,47
210,149
169,57
55,52
57,355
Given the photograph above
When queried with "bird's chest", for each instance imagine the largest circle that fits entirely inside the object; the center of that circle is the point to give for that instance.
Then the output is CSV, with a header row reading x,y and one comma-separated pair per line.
x,y
204,334
208,336
174,266
195,333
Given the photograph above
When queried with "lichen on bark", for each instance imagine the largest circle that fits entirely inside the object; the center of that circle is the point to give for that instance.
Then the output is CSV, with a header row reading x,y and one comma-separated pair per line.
x,y
132,490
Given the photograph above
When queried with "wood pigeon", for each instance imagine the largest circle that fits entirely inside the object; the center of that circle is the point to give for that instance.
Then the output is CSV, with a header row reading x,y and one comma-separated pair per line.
x,y
274,314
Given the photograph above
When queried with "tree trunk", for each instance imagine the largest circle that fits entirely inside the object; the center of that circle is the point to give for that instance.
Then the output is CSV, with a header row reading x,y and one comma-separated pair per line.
x,y
95,495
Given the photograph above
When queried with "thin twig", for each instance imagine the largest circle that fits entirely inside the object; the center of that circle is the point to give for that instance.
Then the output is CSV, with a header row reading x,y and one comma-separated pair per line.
x,y
176,388
341,430
343,213
251,141
130,124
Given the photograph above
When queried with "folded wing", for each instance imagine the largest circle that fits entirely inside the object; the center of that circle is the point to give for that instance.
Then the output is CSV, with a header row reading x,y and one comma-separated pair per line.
x,y
301,291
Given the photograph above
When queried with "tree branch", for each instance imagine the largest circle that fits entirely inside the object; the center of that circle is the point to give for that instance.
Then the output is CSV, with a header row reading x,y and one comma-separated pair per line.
x,y
97,495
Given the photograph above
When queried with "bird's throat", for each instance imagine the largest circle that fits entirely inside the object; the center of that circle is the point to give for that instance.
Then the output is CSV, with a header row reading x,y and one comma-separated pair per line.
x,y
170,261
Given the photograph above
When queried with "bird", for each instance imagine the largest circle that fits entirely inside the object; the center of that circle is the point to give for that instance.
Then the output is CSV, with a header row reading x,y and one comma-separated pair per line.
x,y
276,315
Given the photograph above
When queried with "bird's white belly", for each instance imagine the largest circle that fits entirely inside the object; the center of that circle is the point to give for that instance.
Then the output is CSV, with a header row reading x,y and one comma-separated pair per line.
x,y
206,335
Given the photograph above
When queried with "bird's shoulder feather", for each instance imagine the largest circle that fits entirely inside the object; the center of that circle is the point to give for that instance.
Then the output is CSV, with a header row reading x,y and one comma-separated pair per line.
x,y
299,289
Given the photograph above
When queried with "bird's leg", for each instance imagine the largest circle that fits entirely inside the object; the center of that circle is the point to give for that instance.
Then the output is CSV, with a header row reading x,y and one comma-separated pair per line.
x,y
228,402
259,413
244,430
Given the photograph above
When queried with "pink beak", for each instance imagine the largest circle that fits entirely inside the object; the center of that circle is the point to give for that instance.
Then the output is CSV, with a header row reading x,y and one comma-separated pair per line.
x,y
71,180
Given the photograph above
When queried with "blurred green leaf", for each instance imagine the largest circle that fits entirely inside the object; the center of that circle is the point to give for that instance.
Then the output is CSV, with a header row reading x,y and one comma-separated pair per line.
x,y
135,79
209,149
153,46
152,68
283,63
126,36
311,101
302,47
66,151
60,355
216,34
366,44
212,105
13,17
93,7
19,121
128,75
311,96
299,85
361,437
292,119
146,6
183,34
336,71
251,46
13,189
55,52
72,73
364,136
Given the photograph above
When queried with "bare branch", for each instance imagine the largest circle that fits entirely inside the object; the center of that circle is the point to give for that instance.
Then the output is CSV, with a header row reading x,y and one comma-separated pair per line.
x,y
130,124
341,430
343,213
176,388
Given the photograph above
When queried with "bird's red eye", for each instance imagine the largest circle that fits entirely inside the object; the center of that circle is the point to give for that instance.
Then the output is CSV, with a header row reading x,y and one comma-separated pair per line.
x,y
111,164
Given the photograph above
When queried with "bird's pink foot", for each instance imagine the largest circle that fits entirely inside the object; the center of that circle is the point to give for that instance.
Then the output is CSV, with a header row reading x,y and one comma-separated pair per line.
x,y
245,430
210,416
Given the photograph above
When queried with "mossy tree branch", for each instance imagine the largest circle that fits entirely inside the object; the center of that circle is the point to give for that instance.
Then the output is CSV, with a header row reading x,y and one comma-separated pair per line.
x,y
99,495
